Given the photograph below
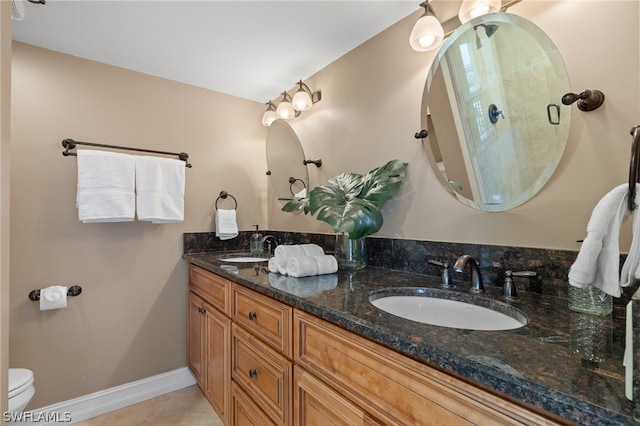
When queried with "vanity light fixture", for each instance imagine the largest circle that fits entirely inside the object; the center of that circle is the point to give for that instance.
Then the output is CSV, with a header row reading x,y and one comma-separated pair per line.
x,y
290,107
473,8
427,34
269,115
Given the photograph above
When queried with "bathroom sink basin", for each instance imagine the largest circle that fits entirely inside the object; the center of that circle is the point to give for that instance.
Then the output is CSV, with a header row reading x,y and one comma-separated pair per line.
x,y
448,309
243,259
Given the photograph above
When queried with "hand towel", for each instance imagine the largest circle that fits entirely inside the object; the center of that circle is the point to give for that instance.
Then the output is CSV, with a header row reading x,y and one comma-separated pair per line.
x,y
226,226
106,186
598,260
305,266
305,286
160,189
631,267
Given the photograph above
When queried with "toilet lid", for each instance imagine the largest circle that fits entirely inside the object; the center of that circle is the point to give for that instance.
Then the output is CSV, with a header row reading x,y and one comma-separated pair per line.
x,y
19,380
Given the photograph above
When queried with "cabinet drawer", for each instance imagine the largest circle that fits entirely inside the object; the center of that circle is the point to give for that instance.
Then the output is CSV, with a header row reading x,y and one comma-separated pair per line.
x,y
244,412
317,404
263,374
213,288
393,387
267,318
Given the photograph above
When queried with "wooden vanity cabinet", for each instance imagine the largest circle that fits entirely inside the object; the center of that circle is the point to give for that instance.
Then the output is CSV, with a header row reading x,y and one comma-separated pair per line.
x,y
393,388
261,363
209,336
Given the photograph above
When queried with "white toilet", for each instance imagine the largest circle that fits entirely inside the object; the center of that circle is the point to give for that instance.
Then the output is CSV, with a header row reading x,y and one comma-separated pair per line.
x,y
21,388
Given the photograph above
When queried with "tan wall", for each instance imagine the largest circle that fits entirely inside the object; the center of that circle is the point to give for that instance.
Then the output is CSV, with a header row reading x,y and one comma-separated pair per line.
x,y
370,110
130,320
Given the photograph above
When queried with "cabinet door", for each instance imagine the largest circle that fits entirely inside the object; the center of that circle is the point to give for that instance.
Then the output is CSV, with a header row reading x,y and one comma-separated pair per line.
x,y
317,404
195,335
217,360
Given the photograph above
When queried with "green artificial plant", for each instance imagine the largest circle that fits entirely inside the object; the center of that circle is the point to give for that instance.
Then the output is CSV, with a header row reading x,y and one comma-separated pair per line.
x,y
351,202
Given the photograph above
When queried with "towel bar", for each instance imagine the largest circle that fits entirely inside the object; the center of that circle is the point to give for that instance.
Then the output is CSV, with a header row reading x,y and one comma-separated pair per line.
x,y
68,144
74,290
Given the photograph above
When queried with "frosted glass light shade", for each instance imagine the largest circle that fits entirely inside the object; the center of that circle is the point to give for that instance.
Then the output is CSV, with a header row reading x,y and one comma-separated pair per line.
x,y
285,110
302,101
473,8
269,117
427,34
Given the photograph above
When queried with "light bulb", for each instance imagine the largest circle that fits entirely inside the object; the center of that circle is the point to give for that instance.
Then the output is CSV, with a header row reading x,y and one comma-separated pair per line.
x,y
285,110
269,117
473,8
301,101
427,33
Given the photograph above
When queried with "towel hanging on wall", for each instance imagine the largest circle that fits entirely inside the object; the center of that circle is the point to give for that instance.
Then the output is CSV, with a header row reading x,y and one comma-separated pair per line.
x,y
160,186
106,187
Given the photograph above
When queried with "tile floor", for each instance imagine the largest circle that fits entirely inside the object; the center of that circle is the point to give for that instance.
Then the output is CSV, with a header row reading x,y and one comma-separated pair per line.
x,y
184,407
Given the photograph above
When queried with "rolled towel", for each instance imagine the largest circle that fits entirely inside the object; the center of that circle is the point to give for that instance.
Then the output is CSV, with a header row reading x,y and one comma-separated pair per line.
x,y
286,252
305,266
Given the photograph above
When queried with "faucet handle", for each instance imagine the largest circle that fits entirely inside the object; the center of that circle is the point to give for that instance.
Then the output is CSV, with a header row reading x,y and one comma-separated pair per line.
x,y
446,276
509,290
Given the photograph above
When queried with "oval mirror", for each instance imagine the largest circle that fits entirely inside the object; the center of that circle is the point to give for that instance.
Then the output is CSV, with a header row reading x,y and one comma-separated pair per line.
x,y
285,159
492,106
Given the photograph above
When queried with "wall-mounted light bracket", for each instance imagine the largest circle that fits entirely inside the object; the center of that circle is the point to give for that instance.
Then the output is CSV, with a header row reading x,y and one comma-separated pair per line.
x,y
588,100
317,162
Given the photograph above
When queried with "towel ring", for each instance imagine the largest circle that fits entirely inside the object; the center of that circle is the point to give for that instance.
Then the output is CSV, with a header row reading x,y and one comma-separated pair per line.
x,y
633,166
224,195
292,181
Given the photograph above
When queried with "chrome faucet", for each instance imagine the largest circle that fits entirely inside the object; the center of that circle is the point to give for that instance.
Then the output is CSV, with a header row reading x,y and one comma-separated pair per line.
x,y
267,239
476,277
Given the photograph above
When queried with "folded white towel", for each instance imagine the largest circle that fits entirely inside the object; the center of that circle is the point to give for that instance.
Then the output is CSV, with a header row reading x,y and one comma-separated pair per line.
x,y
306,266
160,189
226,225
598,260
106,186
631,267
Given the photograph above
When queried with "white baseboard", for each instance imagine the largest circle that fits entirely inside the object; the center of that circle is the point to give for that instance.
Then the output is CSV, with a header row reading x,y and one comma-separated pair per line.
x,y
105,401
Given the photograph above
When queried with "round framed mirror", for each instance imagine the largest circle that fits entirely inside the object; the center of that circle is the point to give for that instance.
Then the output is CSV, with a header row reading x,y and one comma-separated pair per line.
x,y
285,159
492,106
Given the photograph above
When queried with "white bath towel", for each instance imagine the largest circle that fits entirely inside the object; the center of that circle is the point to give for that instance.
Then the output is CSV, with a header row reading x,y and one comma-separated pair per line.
x,y
283,253
598,260
631,267
226,225
106,186
160,189
306,266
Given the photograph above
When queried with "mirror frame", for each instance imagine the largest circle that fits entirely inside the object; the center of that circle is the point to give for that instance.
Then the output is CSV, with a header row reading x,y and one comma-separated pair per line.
x,y
286,161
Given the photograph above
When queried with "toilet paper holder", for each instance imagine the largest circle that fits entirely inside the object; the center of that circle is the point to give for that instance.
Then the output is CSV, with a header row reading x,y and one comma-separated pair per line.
x,y
74,290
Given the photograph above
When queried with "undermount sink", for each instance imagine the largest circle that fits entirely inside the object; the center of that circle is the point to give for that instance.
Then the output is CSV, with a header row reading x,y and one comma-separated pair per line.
x,y
243,258
448,309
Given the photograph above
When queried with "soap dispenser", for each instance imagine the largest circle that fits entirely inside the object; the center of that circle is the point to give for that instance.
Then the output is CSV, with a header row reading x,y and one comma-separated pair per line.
x,y
255,244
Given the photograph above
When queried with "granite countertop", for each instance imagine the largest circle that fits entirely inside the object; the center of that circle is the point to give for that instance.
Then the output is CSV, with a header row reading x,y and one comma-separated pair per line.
x,y
566,363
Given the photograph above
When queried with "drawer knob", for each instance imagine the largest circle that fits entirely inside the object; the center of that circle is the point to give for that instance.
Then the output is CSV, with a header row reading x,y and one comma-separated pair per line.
x,y
253,373
202,310
253,316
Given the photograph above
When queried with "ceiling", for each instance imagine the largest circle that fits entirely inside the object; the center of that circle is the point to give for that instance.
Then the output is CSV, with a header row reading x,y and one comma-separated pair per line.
x,y
250,49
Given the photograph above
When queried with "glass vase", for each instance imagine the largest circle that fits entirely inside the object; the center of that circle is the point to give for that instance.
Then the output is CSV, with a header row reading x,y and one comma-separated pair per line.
x,y
590,300
349,253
